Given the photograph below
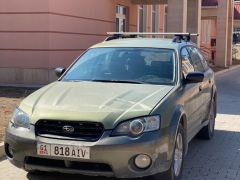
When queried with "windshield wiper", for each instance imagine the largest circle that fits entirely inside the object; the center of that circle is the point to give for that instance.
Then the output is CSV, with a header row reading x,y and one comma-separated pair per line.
x,y
118,81
108,81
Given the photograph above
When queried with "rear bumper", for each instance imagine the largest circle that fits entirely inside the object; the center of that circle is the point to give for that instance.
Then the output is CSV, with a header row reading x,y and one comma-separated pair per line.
x,y
116,152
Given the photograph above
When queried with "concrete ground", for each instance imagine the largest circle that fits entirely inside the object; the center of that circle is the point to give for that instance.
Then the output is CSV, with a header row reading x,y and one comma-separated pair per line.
x,y
207,160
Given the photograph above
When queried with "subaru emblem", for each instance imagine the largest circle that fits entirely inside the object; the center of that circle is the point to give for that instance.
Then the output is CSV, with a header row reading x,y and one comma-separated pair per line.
x,y
68,129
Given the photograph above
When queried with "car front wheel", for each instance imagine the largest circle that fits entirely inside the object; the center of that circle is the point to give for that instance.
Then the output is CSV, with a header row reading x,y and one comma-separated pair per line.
x,y
175,171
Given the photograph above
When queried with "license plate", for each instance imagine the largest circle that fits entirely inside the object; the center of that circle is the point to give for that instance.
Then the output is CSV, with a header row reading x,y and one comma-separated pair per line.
x,y
63,151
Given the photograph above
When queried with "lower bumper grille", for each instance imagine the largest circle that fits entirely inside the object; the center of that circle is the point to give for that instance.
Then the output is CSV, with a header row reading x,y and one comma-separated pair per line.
x,y
82,166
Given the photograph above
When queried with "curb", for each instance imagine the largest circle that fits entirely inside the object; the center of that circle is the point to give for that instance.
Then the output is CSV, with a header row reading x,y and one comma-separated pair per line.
x,y
226,70
2,151
21,86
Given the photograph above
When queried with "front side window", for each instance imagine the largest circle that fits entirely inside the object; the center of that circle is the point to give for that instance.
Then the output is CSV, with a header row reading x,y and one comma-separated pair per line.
x,y
193,52
187,65
132,65
203,60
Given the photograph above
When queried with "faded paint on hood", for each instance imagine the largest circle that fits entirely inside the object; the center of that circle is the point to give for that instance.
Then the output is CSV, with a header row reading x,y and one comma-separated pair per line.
x,y
108,103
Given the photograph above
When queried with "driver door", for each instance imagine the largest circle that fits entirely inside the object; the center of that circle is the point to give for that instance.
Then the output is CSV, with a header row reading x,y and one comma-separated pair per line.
x,y
192,94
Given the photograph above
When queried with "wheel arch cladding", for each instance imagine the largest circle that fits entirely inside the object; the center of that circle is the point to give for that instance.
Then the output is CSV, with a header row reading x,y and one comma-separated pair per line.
x,y
214,97
178,117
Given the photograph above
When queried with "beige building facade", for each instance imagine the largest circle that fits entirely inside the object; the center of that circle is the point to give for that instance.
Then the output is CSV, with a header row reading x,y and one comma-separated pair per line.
x,y
38,36
217,31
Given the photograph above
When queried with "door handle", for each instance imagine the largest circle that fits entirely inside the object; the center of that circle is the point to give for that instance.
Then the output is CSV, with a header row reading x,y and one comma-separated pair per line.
x,y
210,81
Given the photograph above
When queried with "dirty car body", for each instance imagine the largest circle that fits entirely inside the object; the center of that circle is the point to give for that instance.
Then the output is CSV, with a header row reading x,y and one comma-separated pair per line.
x,y
116,111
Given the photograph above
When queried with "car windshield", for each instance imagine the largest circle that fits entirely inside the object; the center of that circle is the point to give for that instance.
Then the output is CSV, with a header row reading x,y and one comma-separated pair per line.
x,y
125,65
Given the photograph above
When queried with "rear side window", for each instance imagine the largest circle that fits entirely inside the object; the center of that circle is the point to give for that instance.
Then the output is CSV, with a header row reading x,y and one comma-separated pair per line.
x,y
196,59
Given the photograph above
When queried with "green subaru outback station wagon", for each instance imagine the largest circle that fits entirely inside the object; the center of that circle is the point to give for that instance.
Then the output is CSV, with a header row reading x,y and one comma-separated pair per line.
x,y
126,108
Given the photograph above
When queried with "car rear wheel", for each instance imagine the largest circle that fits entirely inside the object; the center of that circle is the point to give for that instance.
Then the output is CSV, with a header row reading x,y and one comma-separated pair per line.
x,y
207,132
175,171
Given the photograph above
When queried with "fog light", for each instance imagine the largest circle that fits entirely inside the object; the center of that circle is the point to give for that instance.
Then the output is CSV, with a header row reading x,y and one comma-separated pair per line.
x,y
143,161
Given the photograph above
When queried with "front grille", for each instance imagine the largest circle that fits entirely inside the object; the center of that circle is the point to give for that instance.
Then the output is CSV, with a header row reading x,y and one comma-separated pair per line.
x,y
86,131
85,166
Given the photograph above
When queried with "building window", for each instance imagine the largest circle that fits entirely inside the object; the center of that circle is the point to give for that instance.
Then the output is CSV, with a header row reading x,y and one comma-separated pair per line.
x,y
142,18
165,18
236,29
121,13
155,18
206,31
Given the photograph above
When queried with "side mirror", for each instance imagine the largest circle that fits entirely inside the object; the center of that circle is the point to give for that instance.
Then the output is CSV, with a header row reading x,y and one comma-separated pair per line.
x,y
194,77
59,71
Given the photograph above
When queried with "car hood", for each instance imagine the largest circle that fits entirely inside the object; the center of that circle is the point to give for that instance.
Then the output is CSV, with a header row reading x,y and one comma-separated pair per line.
x,y
108,103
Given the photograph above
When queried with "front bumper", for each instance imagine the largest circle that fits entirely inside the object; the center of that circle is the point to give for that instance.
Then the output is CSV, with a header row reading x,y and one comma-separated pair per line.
x,y
117,152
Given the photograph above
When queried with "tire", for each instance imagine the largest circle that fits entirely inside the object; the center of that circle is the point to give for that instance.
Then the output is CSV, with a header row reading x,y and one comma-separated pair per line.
x,y
175,171
207,132
33,172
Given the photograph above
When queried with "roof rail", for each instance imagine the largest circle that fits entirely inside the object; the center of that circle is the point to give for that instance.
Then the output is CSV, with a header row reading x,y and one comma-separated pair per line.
x,y
178,37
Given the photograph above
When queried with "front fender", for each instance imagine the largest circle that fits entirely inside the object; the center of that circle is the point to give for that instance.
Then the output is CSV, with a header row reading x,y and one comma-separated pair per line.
x,y
179,116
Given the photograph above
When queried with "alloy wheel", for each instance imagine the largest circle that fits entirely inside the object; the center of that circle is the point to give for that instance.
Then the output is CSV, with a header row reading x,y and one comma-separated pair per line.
x,y
178,155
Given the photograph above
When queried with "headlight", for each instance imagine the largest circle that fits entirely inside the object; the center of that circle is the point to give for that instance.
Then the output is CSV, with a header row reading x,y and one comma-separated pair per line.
x,y
137,126
20,119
